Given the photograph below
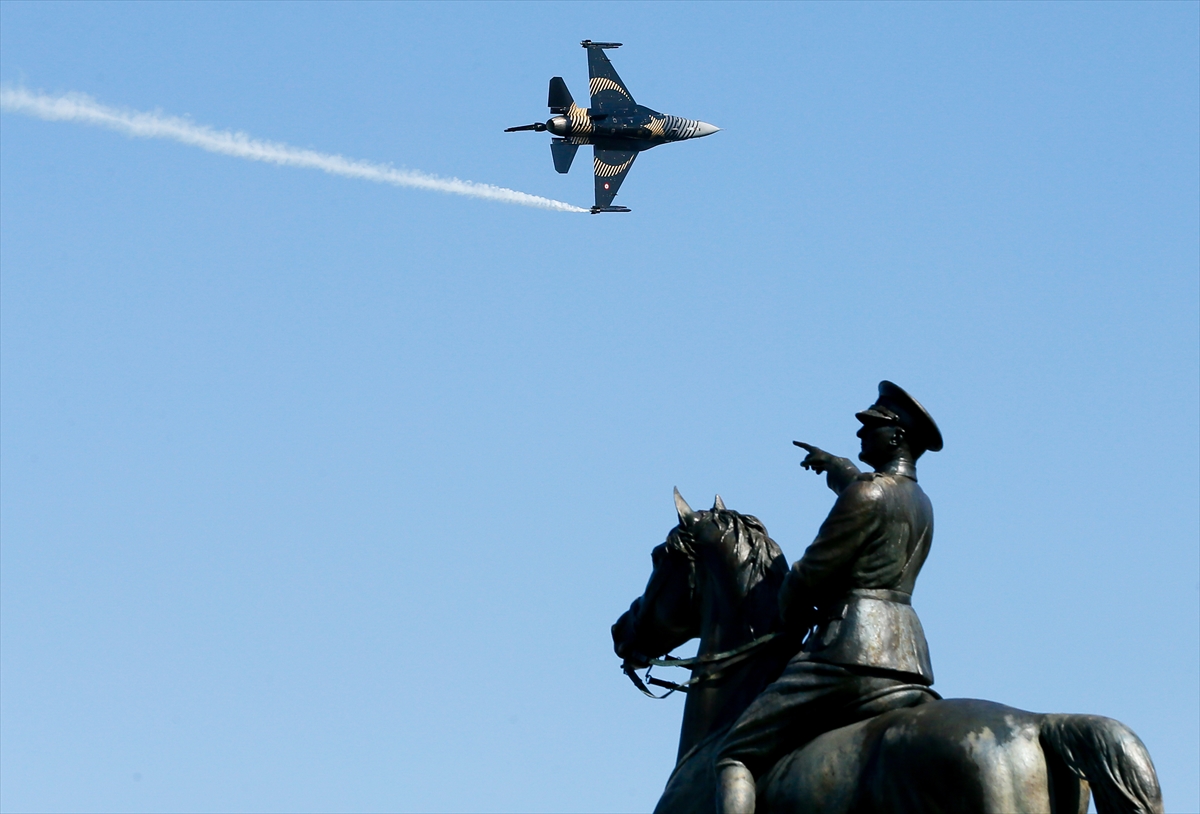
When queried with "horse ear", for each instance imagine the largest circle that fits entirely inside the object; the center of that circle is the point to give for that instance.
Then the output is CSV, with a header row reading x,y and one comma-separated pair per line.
x,y
685,511
719,504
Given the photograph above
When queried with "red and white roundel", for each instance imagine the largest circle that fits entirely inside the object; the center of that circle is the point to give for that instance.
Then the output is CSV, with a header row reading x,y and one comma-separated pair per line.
x,y
606,186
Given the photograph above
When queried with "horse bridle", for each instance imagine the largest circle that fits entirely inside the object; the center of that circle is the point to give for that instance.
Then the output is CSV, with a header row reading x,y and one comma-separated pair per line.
x,y
725,658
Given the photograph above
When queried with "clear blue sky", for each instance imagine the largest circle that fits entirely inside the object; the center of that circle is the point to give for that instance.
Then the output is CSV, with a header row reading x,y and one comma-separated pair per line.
x,y
322,495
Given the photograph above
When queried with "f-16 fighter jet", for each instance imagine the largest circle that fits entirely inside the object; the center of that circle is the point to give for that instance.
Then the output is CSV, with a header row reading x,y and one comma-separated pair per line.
x,y
617,127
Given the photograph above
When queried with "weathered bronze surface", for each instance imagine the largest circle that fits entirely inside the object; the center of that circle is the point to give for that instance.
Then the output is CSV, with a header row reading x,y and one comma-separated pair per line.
x,y
832,710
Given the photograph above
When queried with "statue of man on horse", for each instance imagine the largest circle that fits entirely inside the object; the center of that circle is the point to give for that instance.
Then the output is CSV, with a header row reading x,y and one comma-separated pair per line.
x,y
811,690
854,583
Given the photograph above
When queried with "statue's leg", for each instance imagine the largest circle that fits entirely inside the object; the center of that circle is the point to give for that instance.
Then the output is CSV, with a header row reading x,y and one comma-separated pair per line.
x,y
789,712
784,715
736,790
808,698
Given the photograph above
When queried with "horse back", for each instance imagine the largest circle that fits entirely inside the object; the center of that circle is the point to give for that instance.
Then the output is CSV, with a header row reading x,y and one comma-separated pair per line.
x,y
943,757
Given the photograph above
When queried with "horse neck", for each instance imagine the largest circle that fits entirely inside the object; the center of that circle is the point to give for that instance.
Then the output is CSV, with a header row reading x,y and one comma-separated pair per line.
x,y
724,622
729,620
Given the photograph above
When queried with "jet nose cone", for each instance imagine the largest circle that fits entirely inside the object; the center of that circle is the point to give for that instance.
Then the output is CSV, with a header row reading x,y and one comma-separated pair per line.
x,y
706,129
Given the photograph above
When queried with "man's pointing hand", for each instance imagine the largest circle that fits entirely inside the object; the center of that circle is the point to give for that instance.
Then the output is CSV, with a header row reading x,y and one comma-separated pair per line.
x,y
817,459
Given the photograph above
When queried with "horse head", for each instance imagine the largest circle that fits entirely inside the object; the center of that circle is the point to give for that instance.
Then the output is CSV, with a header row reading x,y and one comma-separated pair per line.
x,y
716,578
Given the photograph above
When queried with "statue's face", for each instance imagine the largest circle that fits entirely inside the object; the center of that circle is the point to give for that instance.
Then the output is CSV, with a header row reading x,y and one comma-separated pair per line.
x,y
880,443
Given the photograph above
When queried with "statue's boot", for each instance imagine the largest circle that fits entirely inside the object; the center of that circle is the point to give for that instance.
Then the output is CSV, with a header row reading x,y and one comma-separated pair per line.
x,y
736,791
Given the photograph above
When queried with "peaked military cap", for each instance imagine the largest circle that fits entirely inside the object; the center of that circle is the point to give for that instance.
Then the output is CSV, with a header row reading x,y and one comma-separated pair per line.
x,y
894,406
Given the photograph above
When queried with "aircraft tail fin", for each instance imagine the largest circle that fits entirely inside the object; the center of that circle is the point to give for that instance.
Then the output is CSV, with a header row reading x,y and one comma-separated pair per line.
x,y
559,98
564,154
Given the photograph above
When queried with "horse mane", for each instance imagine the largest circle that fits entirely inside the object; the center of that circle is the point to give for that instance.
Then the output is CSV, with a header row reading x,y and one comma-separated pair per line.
x,y
760,564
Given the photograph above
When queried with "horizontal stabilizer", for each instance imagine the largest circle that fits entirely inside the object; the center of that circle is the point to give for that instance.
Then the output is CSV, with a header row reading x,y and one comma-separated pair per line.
x,y
563,153
559,98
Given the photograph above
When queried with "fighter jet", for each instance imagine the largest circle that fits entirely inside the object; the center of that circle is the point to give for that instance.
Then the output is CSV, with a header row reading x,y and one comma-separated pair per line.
x,y
617,127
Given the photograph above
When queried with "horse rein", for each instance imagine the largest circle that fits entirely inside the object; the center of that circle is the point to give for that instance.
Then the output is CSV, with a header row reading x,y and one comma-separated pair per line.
x,y
724,658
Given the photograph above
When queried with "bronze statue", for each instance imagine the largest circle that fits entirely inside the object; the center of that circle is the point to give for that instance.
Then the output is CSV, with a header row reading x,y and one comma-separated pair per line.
x,y
811,688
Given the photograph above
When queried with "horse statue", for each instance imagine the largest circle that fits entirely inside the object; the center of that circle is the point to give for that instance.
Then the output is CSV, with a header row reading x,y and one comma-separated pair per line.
x,y
717,577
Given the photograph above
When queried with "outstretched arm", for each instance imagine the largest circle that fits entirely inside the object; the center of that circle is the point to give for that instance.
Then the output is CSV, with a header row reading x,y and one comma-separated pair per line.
x,y
840,472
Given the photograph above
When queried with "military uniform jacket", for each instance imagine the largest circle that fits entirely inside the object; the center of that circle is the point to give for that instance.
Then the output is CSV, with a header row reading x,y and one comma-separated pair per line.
x,y
860,571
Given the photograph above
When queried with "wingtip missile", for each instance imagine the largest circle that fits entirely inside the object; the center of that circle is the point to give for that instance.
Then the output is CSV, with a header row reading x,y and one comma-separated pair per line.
x,y
596,210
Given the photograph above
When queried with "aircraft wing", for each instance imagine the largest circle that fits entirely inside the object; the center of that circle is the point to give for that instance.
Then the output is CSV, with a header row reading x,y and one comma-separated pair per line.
x,y
608,91
611,167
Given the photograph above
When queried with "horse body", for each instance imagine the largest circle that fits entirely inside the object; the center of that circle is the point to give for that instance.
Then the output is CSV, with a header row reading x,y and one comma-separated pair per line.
x,y
939,758
718,579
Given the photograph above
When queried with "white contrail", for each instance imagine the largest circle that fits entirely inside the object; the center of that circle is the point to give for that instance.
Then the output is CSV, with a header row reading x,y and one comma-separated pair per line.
x,y
77,107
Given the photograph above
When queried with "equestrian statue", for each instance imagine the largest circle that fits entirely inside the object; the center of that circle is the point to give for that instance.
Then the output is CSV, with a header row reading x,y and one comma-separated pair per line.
x,y
811,690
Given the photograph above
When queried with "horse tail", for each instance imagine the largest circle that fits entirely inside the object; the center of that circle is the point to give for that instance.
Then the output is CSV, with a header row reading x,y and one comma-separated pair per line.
x,y
1110,757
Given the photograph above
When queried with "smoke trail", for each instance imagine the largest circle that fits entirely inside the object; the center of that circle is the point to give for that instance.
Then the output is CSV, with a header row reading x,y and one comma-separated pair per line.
x,y
80,108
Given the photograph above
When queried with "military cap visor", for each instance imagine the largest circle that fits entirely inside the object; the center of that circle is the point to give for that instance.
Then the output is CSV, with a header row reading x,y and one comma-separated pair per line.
x,y
877,414
895,406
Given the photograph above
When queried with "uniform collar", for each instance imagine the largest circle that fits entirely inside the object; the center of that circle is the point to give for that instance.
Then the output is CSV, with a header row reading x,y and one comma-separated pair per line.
x,y
901,467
